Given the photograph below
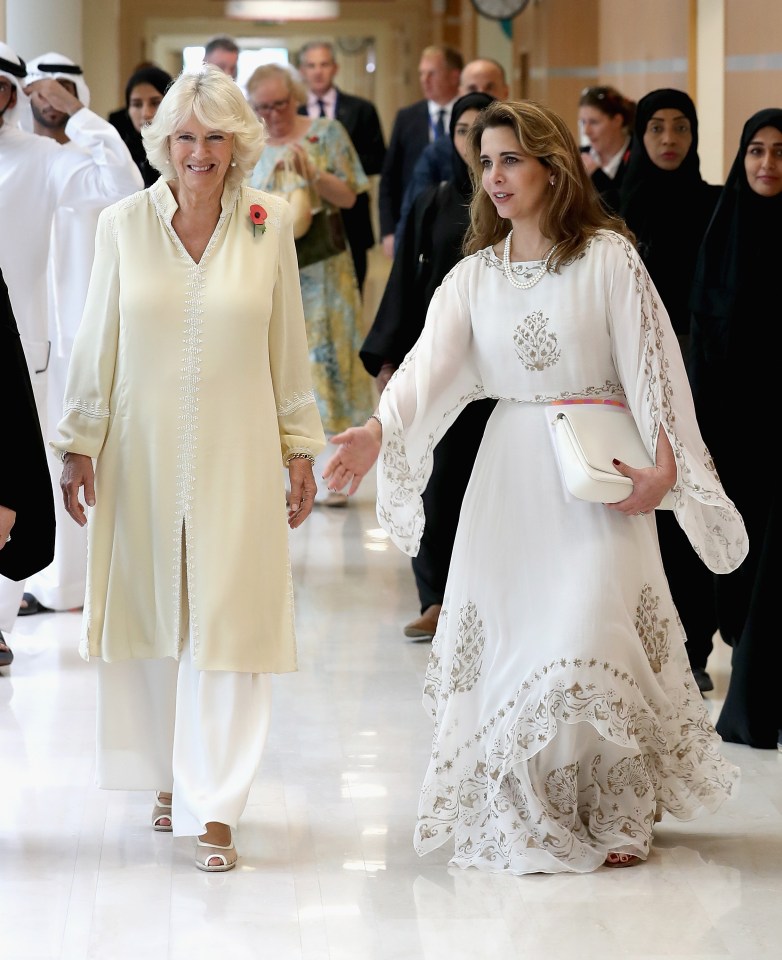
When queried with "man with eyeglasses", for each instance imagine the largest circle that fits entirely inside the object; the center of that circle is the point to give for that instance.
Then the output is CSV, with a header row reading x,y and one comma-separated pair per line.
x,y
38,177
318,68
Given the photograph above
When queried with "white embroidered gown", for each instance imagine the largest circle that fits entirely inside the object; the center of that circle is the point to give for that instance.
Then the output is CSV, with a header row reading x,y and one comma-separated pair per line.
x,y
564,708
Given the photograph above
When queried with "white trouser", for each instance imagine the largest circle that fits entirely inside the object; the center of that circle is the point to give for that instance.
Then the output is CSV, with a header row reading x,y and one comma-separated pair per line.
x,y
163,725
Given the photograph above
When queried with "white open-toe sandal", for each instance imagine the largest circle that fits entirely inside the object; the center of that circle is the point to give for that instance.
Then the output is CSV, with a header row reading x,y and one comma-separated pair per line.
x,y
207,852
161,815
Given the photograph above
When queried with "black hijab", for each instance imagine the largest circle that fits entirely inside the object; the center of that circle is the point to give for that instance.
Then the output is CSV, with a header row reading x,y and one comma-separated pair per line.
x,y
644,180
160,80
461,172
742,244
154,76
667,210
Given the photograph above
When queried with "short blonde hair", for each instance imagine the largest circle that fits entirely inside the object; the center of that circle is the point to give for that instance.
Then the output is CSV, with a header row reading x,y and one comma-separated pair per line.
x,y
274,71
215,100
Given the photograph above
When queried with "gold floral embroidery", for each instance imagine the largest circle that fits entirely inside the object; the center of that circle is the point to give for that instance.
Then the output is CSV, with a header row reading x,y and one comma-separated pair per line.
x,y
629,772
473,793
536,347
468,653
653,632
561,788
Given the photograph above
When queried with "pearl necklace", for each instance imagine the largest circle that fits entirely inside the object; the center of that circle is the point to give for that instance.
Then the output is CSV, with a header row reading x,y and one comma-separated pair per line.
x,y
533,278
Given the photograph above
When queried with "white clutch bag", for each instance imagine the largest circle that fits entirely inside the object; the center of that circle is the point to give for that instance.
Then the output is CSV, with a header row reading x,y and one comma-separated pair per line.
x,y
587,436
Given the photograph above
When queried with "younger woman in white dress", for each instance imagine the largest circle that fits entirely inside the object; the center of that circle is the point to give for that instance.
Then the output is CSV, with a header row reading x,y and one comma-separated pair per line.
x,y
566,716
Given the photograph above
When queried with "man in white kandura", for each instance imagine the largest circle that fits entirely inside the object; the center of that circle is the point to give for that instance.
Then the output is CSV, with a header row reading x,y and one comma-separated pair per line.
x,y
38,177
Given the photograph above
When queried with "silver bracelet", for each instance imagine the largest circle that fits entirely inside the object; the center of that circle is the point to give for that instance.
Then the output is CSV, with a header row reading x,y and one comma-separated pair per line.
x,y
376,416
300,456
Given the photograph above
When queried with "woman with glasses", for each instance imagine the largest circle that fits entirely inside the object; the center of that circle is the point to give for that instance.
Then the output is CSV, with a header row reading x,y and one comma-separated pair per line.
x,y
323,156
605,118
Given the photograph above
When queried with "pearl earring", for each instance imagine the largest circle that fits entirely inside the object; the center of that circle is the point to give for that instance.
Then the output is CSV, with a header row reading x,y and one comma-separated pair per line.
x,y
233,163
552,181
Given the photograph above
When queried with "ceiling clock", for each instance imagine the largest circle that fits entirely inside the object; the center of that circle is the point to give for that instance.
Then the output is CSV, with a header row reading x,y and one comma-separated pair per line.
x,y
500,9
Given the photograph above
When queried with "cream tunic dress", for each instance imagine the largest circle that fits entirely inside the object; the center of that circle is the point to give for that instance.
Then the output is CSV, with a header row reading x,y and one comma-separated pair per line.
x,y
564,707
190,384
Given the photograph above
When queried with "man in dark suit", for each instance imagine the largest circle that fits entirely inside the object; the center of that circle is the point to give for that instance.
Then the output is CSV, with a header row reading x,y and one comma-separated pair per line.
x,y
424,121
483,75
318,67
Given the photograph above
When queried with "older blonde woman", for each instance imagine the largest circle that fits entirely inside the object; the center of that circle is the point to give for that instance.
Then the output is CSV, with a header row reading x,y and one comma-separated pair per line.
x,y
189,385
322,153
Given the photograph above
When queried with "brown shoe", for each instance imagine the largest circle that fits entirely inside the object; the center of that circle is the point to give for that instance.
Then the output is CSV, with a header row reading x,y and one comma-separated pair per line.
x,y
425,626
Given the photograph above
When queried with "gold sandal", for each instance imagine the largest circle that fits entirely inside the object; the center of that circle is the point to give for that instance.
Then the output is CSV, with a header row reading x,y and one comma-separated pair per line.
x,y
161,815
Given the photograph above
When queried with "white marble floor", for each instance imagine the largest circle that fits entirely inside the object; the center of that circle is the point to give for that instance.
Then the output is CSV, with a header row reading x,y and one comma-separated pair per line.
x,y
327,869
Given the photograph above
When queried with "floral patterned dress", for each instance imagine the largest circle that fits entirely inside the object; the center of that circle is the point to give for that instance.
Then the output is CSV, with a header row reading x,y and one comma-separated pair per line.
x,y
565,713
332,302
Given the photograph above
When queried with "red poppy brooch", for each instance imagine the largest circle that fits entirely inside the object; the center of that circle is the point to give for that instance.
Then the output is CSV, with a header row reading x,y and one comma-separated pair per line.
x,y
258,217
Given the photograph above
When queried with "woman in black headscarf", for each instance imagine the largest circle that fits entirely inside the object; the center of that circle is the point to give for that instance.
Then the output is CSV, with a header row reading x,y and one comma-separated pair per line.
x,y
665,200
734,365
668,205
430,246
143,93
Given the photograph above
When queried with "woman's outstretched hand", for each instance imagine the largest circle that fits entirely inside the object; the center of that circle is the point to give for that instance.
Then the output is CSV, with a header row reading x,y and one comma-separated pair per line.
x,y
358,448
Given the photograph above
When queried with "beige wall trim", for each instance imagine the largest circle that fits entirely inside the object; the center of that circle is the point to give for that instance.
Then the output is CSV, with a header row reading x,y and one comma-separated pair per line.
x,y
753,62
674,65
710,89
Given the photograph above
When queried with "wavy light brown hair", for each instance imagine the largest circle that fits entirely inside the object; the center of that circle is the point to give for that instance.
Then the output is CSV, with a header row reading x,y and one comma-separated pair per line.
x,y
574,213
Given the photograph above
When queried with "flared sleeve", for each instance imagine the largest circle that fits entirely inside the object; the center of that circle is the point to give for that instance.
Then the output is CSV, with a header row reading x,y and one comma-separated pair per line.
x,y
435,381
300,426
86,407
652,371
